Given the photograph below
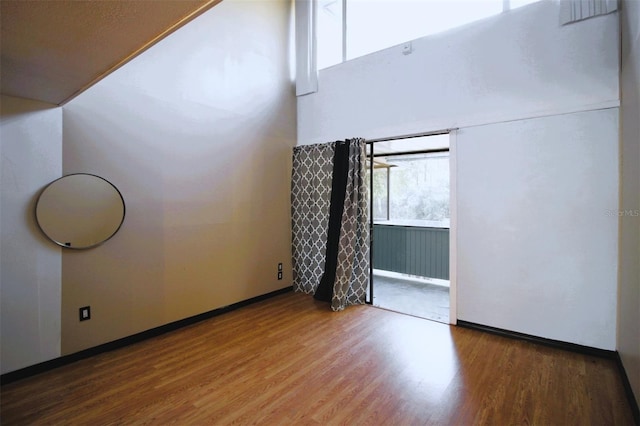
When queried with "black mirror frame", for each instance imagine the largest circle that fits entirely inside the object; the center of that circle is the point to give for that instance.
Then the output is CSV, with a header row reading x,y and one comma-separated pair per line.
x,y
124,212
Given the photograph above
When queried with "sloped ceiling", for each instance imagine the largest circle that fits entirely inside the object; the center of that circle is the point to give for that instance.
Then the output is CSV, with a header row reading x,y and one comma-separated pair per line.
x,y
53,50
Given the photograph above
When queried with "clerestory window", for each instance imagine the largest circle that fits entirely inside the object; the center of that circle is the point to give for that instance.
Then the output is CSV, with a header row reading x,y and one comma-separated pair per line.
x,y
347,29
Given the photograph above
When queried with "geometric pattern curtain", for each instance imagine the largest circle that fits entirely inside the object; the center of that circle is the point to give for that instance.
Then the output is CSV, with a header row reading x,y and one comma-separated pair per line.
x,y
352,273
310,198
330,222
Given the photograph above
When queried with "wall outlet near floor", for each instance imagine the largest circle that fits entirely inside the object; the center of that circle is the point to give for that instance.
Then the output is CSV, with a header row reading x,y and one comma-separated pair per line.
x,y
85,313
280,267
279,275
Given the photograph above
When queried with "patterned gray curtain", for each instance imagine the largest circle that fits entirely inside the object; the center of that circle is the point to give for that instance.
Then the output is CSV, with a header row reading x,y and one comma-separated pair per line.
x,y
314,179
310,199
352,272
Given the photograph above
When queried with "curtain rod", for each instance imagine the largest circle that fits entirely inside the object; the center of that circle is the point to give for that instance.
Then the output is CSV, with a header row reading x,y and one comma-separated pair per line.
x,y
412,135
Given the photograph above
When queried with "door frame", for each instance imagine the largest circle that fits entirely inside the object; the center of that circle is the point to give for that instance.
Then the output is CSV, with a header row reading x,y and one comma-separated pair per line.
x,y
453,227
453,215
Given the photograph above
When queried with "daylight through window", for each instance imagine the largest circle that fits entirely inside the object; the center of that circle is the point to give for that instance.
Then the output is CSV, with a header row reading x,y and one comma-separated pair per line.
x,y
348,29
411,189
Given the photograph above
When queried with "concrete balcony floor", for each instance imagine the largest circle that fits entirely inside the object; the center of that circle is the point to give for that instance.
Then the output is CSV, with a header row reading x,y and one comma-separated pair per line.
x,y
420,297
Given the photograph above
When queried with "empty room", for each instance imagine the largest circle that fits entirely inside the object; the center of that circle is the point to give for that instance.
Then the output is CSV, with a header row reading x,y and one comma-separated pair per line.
x,y
201,201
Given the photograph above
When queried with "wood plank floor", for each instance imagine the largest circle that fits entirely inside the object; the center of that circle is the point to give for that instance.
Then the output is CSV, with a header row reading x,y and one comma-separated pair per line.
x,y
290,360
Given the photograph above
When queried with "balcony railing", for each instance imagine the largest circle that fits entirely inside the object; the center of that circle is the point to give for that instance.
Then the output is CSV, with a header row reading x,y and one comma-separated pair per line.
x,y
414,250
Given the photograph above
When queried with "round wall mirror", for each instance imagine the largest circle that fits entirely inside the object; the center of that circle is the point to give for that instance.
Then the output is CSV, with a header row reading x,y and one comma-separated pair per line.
x,y
80,211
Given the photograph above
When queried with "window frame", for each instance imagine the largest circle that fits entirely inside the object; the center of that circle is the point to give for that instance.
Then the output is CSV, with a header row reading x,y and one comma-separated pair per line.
x,y
506,6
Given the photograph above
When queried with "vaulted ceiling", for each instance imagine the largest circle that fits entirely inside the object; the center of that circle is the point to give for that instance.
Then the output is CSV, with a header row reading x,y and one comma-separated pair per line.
x,y
53,50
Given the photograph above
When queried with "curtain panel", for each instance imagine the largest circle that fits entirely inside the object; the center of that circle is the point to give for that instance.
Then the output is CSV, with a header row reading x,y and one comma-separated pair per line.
x,y
352,271
310,199
330,222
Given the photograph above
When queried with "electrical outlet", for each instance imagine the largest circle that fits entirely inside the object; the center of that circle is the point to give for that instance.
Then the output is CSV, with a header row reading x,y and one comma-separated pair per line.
x,y
280,267
279,275
85,313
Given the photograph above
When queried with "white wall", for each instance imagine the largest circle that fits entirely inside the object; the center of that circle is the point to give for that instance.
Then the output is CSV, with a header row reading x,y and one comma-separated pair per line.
x,y
31,151
197,133
537,226
516,65
511,67
629,302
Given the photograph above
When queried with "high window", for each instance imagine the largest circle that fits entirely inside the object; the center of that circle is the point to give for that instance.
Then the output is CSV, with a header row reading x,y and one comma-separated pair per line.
x,y
347,29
